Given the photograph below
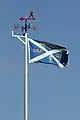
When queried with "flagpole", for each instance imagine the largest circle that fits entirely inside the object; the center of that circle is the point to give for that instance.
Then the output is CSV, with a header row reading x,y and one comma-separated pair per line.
x,y
25,43
24,28
26,75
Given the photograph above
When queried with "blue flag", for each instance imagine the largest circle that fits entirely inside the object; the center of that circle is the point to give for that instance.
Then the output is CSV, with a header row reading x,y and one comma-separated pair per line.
x,y
47,53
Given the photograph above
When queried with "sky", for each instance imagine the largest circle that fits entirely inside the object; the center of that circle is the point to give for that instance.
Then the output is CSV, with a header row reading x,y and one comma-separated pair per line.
x,y
53,93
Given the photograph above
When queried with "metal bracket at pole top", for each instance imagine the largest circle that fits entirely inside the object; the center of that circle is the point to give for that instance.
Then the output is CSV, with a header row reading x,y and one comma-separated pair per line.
x,y
19,37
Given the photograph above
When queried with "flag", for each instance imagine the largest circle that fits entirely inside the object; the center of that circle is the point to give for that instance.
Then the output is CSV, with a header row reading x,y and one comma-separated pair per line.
x,y
47,53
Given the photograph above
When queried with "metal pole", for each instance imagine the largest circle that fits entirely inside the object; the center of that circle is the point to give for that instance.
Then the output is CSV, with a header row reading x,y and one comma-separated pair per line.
x,y
26,76
25,62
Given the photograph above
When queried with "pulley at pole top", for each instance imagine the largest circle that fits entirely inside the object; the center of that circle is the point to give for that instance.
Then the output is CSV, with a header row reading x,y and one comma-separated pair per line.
x,y
27,23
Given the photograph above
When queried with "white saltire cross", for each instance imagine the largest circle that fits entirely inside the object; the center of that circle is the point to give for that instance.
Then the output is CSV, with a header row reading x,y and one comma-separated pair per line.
x,y
47,53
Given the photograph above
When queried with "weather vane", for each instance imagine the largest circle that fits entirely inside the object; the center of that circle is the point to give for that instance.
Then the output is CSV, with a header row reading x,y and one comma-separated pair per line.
x,y
28,23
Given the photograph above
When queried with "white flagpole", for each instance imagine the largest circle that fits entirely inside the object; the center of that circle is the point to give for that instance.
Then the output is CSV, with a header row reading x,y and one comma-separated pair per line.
x,y
25,72
26,80
25,62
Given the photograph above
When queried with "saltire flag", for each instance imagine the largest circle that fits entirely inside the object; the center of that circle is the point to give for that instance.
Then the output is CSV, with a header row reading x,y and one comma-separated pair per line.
x,y
47,53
